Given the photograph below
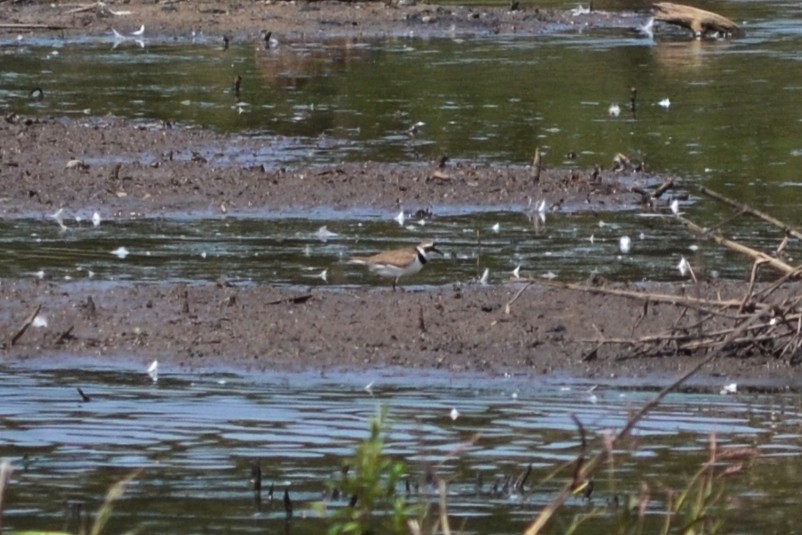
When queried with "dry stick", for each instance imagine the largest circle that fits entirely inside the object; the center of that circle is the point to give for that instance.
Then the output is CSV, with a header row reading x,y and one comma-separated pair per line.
x,y
724,222
649,196
697,20
693,302
101,8
296,300
700,344
26,324
757,343
665,186
752,278
777,264
641,316
757,213
788,349
78,8
516,296
589,467
669,337
697,344
21,26
795,341
681,341
793,332
786,305
679,318
779,282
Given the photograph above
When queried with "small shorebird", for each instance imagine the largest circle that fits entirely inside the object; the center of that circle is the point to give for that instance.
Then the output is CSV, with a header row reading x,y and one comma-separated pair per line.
x,y
397,263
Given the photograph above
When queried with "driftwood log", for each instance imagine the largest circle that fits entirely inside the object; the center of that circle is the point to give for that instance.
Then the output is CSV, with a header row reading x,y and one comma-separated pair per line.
x,y
699,21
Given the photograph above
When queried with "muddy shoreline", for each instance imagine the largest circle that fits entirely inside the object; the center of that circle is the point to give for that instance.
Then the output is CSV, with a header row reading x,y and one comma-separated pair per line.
x,y
48,164
299,20
263,328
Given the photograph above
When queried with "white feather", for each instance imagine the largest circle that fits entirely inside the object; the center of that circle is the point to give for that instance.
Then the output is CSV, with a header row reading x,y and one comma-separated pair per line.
x,y
625,244
485,276
153,370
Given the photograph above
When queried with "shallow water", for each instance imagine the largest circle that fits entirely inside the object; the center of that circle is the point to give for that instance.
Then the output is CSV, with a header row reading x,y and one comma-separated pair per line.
x,y
733,124
296,251
197,435
732,117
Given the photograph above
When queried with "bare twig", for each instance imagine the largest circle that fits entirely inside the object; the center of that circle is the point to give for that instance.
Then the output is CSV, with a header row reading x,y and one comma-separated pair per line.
x,y
99,7
680,300
697,20
296,300
25,324
788,229
516,296
755,255
30,26
641,316
662,188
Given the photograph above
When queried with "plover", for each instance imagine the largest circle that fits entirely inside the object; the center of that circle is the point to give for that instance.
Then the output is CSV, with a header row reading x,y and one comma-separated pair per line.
x,y
397,263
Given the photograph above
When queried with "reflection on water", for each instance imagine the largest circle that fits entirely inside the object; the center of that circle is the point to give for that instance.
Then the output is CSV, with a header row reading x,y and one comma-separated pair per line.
x,y
197,436
732,123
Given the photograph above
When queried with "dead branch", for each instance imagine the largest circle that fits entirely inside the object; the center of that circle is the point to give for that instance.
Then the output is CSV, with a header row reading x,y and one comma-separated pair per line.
x,y
648,197
680,300
100,9
697,20
296,300
22,26
788,229
776,335
25,324
507,309
682,338
755,255
757,323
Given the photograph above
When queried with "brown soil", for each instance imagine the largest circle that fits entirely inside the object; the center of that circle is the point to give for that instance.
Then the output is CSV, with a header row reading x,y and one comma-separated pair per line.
x,y
43,166
299,20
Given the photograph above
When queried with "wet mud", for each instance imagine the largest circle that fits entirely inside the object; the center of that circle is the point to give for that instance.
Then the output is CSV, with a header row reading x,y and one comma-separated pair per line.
x,y
149,169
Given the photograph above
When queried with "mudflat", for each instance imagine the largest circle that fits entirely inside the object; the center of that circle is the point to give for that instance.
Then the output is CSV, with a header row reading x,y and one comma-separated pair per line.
x,y
519,327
